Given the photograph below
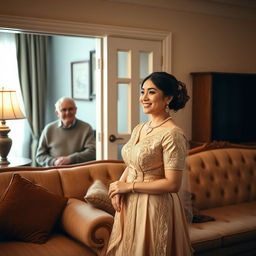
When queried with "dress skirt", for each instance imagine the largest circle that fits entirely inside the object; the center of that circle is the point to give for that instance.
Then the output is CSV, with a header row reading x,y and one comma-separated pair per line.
x,y
150,225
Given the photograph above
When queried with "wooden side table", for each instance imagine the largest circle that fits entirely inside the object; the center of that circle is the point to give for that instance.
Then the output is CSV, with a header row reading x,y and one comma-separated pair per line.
x,y
17,161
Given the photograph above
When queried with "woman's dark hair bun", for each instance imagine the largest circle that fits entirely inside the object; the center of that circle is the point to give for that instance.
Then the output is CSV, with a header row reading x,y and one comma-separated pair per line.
x,y
180,99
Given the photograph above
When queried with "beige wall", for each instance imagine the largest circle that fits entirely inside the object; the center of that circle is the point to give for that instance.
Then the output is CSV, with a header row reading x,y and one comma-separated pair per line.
x,y
200,42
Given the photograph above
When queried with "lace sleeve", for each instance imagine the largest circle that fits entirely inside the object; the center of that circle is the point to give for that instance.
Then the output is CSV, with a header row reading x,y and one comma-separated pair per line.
x,y
174,151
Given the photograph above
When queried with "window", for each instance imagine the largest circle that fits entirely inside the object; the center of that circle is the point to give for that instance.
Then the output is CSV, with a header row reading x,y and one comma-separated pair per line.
x,y
9,79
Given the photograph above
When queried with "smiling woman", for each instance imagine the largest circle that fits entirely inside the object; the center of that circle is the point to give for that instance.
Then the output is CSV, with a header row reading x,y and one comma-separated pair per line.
x,y
151,187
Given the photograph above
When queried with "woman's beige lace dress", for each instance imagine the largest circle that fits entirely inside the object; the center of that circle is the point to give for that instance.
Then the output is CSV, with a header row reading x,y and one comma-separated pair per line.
x,y
151,225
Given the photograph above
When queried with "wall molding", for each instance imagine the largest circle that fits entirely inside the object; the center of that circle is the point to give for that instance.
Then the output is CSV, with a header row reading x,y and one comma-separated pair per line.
x,y
50,26
58,27
236,9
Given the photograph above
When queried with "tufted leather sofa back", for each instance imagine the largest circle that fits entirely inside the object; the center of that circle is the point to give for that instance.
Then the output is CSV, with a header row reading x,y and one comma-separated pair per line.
x,y
222,177
76,180
70,181
218,177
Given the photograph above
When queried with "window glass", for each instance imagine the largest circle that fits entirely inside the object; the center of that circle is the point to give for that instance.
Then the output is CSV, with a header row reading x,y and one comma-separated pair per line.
x,y
144,64
123,64
122,108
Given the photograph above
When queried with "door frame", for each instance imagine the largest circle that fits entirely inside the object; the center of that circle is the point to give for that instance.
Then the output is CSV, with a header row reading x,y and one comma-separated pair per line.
x,y
58,27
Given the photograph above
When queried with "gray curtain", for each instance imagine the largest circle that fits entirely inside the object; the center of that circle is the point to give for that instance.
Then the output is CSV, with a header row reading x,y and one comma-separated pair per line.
x,y
32,66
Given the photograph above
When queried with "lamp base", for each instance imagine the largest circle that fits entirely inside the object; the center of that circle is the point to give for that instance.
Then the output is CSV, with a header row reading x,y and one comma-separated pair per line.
x,y
5,143
4,161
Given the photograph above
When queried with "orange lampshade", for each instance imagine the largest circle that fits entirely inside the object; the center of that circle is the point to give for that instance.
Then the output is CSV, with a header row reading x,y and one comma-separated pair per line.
x,y
9,106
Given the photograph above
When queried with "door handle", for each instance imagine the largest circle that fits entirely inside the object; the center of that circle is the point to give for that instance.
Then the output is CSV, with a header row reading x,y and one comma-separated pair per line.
x,y
113,138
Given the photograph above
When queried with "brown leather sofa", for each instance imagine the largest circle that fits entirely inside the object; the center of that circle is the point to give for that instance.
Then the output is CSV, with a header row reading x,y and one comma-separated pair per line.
x,y
84,229
223,185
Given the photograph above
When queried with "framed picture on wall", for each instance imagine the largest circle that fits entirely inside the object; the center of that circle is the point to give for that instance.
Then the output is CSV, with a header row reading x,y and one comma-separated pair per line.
x,y
80,80
93,73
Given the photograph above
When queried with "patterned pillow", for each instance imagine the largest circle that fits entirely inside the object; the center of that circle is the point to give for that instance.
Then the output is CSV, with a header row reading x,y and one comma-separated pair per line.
x,y
28,212
97,195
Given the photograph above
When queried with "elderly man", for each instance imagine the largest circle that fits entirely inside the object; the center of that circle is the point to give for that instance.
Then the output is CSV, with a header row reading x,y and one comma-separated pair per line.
x,y
67,140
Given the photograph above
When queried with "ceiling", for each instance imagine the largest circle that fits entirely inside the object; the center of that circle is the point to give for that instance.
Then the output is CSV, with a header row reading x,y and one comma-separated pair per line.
x,y
239,9
239,3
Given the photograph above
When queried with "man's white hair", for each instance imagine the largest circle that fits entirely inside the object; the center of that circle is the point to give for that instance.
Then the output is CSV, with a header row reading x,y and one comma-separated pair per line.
x,y
59,101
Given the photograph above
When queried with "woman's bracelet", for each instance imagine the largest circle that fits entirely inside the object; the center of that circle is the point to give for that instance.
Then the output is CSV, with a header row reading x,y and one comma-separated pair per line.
x,y
133,187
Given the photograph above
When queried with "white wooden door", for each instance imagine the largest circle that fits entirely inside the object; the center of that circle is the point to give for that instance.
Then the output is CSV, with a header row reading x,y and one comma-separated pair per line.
x,y
125,63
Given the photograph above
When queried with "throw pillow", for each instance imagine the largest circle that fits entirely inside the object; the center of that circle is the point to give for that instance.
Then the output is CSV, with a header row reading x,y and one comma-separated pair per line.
x,y
97,195
200,218
28,212
197,217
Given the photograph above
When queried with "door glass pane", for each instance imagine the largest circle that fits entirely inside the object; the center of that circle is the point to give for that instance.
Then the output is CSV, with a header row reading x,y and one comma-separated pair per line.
x,y
122,64
144,64
119,155
122,108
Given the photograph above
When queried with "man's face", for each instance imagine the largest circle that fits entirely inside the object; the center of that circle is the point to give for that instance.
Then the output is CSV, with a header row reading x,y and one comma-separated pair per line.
x,y
66,112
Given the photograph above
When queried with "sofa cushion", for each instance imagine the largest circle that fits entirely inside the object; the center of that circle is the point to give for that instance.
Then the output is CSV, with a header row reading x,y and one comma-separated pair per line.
x,y
97,195
203,239
233,224
57,245
28,212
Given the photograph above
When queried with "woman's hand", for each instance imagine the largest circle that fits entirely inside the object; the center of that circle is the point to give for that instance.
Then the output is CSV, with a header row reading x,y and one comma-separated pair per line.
x,y
119,187
117,202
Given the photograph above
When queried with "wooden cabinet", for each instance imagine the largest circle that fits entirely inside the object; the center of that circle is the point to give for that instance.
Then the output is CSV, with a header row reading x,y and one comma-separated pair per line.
x,y
224,108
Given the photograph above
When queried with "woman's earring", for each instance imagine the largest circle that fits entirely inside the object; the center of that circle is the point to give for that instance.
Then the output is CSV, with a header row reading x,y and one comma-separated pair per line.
x,y
167,110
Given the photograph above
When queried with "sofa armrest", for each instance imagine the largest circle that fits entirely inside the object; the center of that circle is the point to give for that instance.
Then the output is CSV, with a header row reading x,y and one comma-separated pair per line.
x,y
87,224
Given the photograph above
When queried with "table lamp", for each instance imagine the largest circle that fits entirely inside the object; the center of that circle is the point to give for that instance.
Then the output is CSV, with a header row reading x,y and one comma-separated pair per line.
x,y
9,109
